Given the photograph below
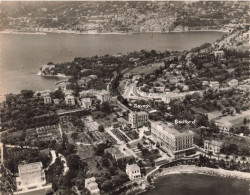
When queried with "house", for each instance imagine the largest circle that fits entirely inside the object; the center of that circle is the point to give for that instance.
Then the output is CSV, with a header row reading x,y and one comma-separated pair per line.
x,y
212,146
133,171
205,83
233,83
219,54
93,76
47,99
117,154
56,101
31,179
86,103
224,126
92,186
214,84
70,100
159,89
103,95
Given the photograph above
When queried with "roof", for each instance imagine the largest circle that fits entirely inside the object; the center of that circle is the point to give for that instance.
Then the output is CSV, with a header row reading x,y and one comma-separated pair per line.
x,y
214,142
171,130
132,167
31,167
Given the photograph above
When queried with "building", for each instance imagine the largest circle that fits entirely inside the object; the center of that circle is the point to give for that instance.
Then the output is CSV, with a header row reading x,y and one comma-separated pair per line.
x,y
92,186
138,119
212,146
233,83
103,95
224,126
56,101
47,99
168,138
118,155
1,152
219,54
70,100
133,171
31,179
86,103
214,84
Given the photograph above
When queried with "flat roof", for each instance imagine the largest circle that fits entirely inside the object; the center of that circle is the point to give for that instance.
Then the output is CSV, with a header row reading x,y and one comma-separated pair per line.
x,y
31,167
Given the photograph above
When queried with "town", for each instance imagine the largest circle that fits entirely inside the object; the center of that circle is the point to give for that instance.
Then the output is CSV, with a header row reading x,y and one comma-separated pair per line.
x,y
116,122
122,17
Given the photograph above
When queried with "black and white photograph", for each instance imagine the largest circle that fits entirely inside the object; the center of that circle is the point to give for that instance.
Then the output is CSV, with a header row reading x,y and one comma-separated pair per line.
x,y
124,97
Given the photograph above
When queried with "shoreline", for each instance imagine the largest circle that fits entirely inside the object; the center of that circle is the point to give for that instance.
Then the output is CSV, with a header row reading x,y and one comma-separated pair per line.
x,y
192,169
203,171
58,75
106,33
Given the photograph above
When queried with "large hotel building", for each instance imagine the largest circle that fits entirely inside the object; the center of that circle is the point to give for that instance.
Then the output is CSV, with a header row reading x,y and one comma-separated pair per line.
x,y
138,119
179,143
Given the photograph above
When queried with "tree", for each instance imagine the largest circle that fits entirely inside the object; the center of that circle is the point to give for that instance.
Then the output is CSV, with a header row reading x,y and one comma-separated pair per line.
x,y
74,136
27,93
101,128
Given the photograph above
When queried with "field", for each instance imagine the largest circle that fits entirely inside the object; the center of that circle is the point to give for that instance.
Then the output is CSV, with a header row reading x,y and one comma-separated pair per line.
x,y
144,69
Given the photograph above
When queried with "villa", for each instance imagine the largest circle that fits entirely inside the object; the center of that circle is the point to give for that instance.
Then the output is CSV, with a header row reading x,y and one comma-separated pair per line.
x,y
133,171
92,186
31,179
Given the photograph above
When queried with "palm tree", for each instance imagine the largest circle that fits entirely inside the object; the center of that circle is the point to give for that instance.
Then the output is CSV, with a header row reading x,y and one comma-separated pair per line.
x,y
243,158
210,154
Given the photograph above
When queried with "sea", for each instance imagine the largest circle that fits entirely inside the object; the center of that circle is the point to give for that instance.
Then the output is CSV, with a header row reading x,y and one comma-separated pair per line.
x,y
22,55
196,184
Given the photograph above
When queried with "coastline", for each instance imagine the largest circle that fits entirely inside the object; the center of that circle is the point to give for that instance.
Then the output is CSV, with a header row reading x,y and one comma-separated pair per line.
x,y
190,169
204,171
106,33
58,75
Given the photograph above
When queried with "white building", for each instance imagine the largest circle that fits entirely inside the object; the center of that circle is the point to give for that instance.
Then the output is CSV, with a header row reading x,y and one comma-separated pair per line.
x,y
214,84
224,126
92,186
47,99
138,119
31,178
70,100
212,146
233,83
170,139
56,101
219,54
86,103
133,171
104,96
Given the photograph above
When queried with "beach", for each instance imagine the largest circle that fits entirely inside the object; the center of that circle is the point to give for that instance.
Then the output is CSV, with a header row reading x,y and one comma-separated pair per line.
x,y
202,170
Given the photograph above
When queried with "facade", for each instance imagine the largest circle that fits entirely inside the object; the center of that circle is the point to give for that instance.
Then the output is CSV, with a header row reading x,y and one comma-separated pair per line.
x,y
104,96
92,186
31,178
133,171
214,84
233,83
170,139
138,119
224,126
70,100
86,103
47,100
56,101
212,146
219,54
